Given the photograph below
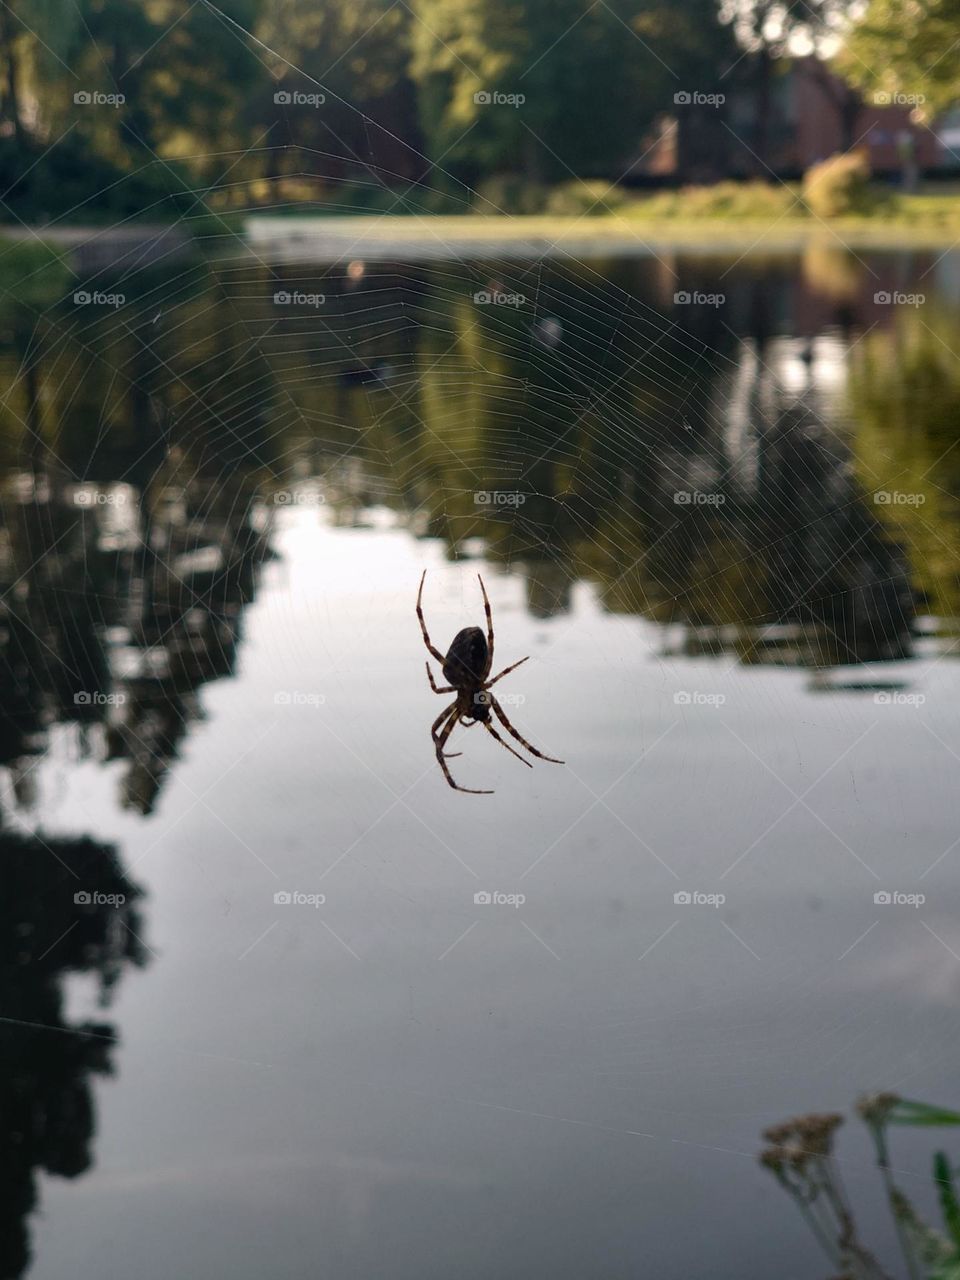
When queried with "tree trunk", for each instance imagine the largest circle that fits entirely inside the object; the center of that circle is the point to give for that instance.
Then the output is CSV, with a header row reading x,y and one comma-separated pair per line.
x,y
764,96
849,115
11,68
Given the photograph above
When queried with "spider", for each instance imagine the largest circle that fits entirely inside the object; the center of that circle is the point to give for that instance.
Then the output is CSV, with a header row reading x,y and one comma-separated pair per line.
x,y
467,668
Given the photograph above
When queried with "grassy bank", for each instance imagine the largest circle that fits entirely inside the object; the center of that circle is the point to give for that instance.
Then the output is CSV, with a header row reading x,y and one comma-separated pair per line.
x,y
580,216
845,208
912,225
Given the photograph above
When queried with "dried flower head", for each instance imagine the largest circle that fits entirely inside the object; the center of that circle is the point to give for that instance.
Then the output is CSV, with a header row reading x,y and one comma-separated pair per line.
x,y
875,1108
794,1142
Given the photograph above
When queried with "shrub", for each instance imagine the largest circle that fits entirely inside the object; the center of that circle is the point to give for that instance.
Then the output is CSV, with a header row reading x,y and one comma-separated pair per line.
x,y
591,196
799,1154
837,186
43,183
722,200
33,275
510,193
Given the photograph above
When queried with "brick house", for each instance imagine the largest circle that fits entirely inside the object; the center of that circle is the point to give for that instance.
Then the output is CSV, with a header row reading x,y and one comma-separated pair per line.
x,y
803,115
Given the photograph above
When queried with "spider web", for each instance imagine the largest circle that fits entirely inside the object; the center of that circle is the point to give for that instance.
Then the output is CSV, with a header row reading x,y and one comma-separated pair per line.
x,y
560,414
526,403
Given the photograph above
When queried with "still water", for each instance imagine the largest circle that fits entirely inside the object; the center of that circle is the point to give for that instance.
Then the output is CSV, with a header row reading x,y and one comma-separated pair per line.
x,y
277,1001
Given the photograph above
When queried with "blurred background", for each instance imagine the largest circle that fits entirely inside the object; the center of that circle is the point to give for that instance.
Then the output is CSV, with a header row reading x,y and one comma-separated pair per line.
x,y
442,106
649,315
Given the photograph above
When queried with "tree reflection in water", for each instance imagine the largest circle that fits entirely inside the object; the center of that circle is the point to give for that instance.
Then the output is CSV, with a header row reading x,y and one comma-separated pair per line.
x,y
47,1116
116,605
140,454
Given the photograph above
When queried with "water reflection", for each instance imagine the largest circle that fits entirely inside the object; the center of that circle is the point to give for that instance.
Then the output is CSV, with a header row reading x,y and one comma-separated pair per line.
x,y
712,467
115,612
115,608
717,469
706,470
67,908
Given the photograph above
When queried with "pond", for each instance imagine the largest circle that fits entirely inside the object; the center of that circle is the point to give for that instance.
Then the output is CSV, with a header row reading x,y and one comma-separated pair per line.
x,y
278,1001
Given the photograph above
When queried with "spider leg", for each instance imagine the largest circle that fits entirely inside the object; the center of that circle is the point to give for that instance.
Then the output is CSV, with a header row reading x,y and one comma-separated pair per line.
x,y
486,608
502,717
441,760
505,672
491,730
423,626
443,688
441,717
444,715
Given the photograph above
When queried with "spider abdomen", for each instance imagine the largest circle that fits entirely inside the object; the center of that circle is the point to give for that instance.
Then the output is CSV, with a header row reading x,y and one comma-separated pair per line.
x,y
466,658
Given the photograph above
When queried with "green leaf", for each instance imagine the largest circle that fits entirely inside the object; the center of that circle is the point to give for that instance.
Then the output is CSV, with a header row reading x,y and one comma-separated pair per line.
x,y
922,1114
949,1203
946,1270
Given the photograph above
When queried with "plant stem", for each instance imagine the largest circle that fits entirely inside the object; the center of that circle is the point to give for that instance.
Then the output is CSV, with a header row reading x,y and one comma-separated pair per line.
x,y
896,1200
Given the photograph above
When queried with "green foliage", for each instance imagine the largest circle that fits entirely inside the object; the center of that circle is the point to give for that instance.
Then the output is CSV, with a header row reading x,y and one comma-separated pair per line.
x,y
33,277
402,124
589,197
772,23
922,1115
837,186
949,1205
22,261
179,76
800,1156
723,200
906,48
356,56
75,179
592,78
510,193
904,399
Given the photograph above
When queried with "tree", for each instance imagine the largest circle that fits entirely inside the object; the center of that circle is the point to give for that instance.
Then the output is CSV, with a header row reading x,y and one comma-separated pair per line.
x,y
581,82
907,49
771,29
181,69
36,38
355,57
169,76
699,52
